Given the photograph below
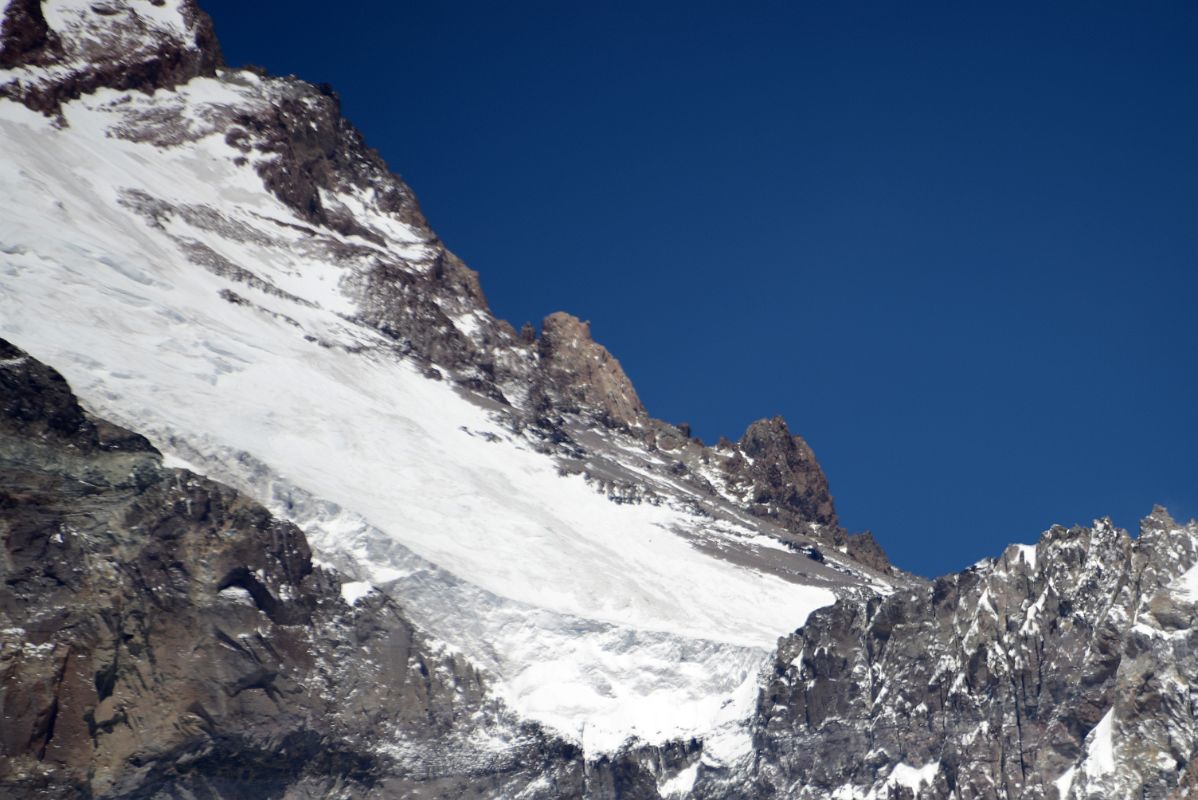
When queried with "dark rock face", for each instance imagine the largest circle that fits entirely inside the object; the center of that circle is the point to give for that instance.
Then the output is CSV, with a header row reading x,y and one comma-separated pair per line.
x,y
408,308
127,51
781,473
162,636
998,675
777,476
36,401
864,549
315,148
24,35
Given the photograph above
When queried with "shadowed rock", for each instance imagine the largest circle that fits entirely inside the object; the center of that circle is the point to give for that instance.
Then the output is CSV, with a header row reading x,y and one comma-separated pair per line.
x,y
163,636
110,45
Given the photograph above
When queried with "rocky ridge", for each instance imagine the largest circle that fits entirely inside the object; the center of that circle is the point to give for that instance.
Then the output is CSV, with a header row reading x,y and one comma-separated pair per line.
x,y
1060,670
419,295
144,50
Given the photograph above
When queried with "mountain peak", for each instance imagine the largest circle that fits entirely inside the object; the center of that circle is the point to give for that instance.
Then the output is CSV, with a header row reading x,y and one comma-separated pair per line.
x,y
787,479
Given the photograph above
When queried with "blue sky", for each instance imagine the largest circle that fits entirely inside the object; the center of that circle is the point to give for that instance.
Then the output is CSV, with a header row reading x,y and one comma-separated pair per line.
x,y
955,245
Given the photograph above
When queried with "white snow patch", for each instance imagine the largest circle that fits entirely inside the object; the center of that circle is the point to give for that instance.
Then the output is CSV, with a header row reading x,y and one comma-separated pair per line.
x,y
353,591
237,594
911,777
469,324
1031,622
681,784
1186,584
904,775
1028,553
1100,751
173,461
984,603
1065,782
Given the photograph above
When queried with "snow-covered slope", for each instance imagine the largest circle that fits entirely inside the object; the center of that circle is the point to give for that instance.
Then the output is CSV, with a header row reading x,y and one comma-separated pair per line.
x,y
147,252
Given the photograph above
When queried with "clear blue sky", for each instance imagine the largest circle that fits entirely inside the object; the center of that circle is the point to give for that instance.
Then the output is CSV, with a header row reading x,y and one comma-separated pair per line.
x,y
954,244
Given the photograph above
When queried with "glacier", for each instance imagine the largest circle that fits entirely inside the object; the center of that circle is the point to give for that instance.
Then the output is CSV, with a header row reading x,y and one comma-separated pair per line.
x,y
601,620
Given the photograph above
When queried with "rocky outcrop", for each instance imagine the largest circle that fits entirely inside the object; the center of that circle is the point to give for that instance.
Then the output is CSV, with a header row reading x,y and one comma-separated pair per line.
x,y
162,636
311,149
116,44
864,549
776,475
1063,670
780,475
24,35
578,375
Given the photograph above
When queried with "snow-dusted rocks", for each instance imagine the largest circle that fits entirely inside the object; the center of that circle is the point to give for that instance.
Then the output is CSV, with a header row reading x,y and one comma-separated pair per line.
x,y
51,53
1064,667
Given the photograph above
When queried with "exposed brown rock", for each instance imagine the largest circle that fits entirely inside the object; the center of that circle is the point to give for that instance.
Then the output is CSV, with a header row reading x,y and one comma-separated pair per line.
x,y
783,477
24,35
864,549
581,375
315,148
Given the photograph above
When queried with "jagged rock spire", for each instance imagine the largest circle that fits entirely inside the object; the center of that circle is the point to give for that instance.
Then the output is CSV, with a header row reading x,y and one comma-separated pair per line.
x,y
581,374
784,478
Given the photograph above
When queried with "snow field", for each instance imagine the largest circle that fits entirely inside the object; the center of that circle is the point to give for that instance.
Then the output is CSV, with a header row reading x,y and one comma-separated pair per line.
x,y
592,617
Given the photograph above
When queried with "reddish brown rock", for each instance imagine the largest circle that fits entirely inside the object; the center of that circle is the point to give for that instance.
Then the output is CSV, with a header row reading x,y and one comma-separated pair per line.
x,y
582,376
784,479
